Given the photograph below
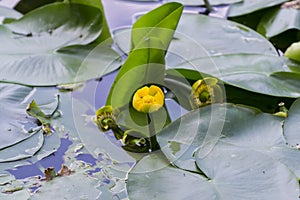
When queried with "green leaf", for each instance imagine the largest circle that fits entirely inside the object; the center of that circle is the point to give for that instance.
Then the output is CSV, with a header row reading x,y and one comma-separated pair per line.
x,y
201,2
160,22
143,66
249,6
265,74
74,186
34,110
201,36
19,140
46,49
278,20
217,36
13,116
237,126
25,6
292,125
246,175
9,13
105,34
24,149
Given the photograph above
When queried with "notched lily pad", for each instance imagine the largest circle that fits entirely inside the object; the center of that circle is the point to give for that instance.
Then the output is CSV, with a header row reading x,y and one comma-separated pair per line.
x,y
60,43
15,127
201,2
232,174
249,6
265,74
292,125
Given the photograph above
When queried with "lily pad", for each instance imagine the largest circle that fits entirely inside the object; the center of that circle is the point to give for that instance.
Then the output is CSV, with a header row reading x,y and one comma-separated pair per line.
x,y
22,138
13,122
74,186
46,49
201,36
24,149
266,178
201,2
279,20
292,125
9,13
264,74
243,128
249,6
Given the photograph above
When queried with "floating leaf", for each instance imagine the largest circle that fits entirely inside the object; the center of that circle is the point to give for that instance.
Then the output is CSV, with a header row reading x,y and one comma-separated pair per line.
x,y
201,36
241,127
13,116
201,2
24,6
292,125
9,13
76,186
58,43
105,33
249,6
24,149
232,174
278,20
264,74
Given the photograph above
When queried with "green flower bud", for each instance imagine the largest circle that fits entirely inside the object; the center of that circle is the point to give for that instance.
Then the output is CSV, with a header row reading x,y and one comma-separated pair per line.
x,y
293,51
106,117
135,142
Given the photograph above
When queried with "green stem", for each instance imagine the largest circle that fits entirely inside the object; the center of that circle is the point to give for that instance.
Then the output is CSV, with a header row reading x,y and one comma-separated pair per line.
x,y
208,6
152,137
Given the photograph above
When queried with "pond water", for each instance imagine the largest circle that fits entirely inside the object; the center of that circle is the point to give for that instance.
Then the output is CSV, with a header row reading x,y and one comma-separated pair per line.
x,y
94,92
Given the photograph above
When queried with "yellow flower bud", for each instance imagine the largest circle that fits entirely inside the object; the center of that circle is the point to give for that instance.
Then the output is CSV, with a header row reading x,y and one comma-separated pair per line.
x,y
206,91
105,118
148,99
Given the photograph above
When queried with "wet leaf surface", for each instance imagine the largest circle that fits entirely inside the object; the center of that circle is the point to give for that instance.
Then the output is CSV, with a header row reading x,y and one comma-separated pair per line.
x,y
60,44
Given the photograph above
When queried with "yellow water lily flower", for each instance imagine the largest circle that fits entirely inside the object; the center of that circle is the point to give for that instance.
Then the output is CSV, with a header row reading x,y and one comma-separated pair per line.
x,y
148,99
206,91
